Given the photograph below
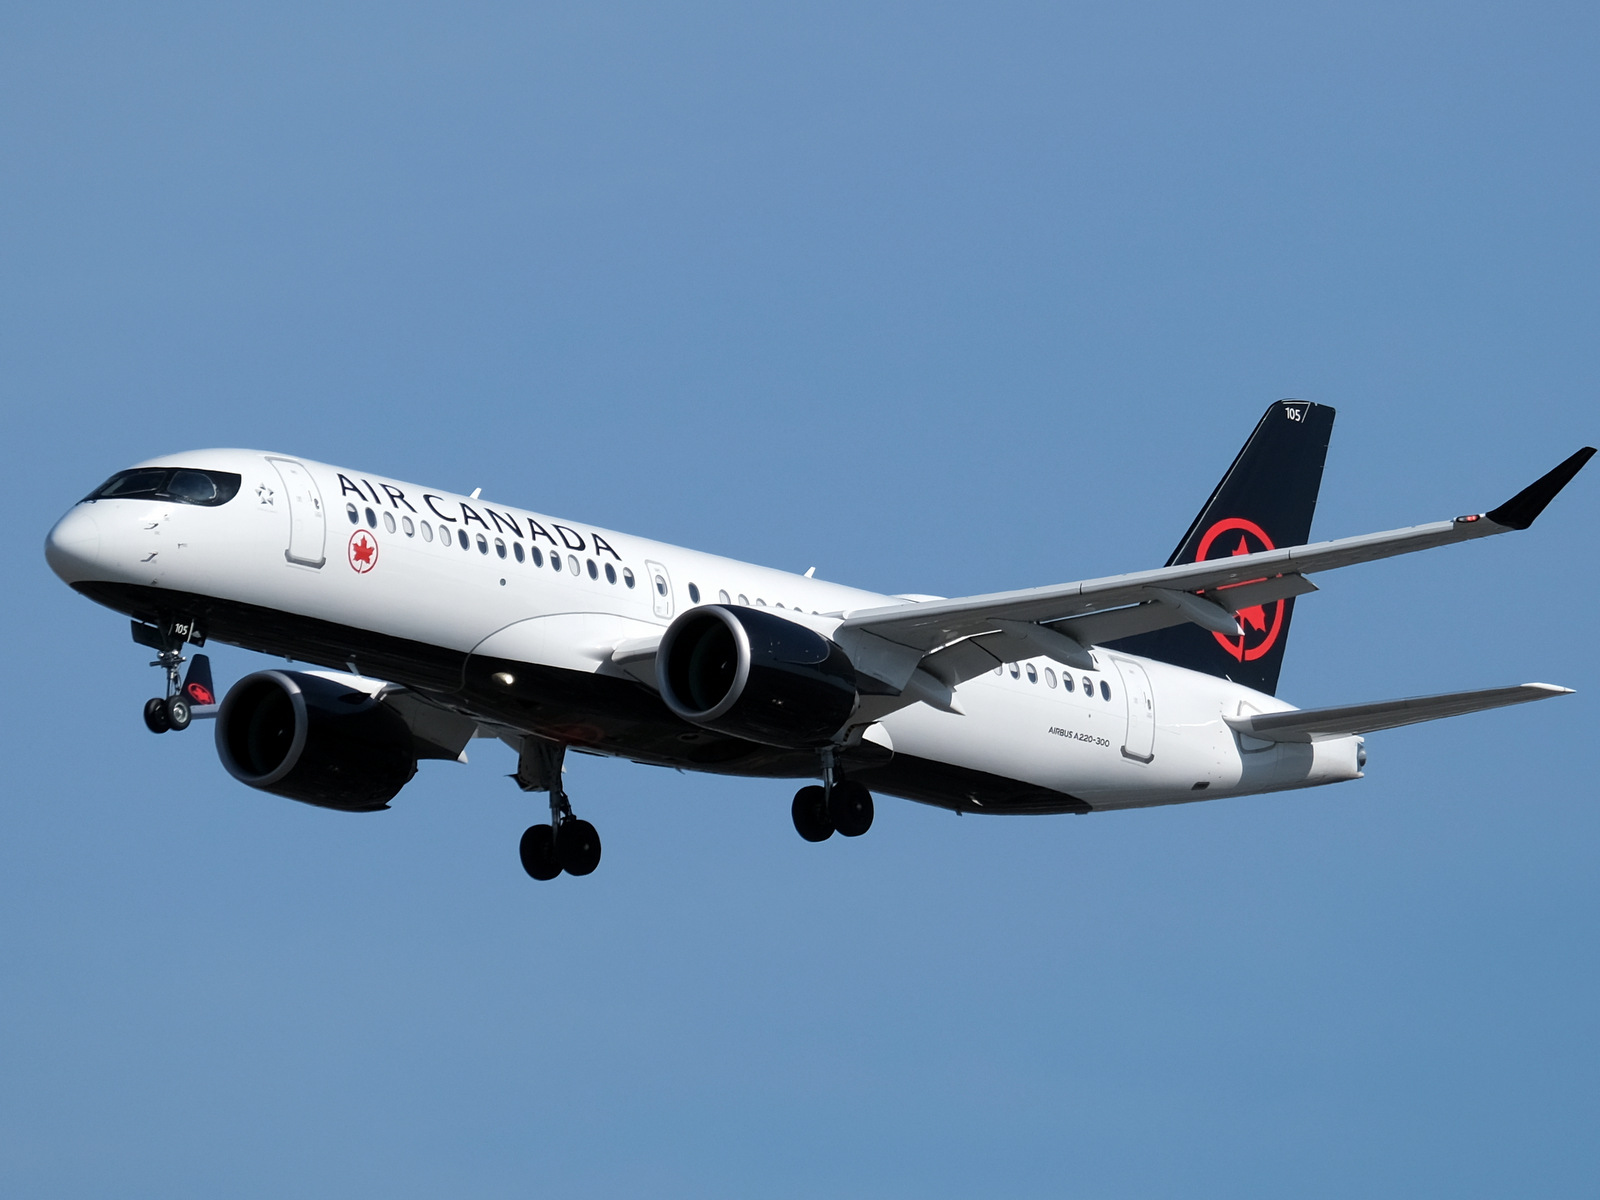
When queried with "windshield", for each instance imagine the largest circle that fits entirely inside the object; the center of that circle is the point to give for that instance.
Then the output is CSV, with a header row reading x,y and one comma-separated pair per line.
x,y
182,485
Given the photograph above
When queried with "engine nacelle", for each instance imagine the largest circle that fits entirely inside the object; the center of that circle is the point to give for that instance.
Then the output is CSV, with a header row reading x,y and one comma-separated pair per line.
x,y
753,674
314,740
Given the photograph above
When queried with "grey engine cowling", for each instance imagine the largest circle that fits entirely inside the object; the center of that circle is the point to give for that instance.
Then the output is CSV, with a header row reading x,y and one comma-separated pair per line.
x,y
753,674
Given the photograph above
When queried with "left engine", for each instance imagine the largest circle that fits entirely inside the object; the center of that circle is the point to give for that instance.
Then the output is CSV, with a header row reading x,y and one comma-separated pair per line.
x,y
311,739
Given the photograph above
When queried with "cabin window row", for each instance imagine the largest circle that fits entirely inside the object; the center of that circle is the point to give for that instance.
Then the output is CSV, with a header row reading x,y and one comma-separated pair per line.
x,y
515,550
1068,683
724,598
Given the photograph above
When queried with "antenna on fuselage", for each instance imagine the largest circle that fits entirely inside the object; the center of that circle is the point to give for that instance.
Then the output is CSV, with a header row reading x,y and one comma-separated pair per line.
x,y
476,492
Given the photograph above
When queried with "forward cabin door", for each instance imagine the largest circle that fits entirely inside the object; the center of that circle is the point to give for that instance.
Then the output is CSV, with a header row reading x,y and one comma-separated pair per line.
x,y
1140,741
308,523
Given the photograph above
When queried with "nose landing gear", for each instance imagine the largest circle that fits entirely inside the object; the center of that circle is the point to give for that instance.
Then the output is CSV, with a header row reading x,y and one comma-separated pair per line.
x,y
567,843
177,709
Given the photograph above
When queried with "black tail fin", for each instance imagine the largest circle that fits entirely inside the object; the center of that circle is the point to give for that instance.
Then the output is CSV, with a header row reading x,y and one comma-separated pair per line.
x,y
197,686
1264,501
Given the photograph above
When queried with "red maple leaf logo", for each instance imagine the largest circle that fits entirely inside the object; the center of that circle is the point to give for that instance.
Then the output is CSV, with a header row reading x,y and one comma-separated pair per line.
x,y
1256,615
363,552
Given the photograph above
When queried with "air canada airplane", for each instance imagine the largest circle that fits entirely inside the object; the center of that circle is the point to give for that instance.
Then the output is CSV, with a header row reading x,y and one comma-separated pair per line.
x,y
431,618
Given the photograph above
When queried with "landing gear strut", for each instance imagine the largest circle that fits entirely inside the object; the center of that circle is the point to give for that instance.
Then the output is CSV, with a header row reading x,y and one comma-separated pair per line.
x,y
567,843
840,806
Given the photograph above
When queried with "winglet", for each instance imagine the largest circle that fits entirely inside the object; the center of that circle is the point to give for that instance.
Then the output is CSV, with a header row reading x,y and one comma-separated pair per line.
x,y
1520,511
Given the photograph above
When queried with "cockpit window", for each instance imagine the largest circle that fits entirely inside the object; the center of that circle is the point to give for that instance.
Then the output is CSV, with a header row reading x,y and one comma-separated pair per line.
x,y
181,485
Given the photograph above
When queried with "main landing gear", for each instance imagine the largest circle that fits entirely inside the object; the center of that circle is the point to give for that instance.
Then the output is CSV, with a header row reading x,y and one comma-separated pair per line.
x,y
567,843
840,806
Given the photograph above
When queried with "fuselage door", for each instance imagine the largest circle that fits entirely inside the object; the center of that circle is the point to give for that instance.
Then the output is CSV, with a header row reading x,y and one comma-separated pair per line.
x,y
308,523
660,588
1140,741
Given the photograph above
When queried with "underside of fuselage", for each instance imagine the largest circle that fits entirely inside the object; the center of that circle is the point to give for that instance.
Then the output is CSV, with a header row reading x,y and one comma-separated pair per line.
x,y
608,714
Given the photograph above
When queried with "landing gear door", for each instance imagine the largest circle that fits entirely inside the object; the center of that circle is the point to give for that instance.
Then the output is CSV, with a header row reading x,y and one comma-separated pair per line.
x,y
1140,741
660,584
308,523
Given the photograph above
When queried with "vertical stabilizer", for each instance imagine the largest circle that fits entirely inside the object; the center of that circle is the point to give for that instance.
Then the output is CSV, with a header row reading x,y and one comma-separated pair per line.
x,y
1264,502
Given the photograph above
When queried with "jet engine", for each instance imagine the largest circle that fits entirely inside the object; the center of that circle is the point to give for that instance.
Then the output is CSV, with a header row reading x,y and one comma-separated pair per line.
x,y
753,674
314,740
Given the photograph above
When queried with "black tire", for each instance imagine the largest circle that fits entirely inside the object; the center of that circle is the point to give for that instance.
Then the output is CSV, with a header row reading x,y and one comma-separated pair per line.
x,y
810,813
155,715
850,807
538,851
178,714
578,847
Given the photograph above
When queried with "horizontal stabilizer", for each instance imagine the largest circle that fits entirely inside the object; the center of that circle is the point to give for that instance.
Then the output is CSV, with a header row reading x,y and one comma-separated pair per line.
x,y
1314,724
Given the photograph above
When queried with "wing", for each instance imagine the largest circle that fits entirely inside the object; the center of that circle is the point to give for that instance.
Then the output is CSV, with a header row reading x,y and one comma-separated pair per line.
x,y
959,639
1314,724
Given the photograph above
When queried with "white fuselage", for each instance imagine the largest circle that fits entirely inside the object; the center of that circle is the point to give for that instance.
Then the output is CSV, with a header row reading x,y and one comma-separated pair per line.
x,y
364,561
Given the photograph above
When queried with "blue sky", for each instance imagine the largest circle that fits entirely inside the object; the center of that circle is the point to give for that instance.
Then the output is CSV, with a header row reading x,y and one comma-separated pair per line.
x,y
935,298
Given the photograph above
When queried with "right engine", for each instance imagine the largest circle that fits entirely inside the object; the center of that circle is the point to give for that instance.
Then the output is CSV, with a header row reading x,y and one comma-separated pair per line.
x,y
311,739
753,674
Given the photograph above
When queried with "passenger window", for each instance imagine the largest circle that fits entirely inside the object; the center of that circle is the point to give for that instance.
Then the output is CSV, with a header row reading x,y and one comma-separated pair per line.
x,y
388,520
1049,677
555,562
1088,687
694,594
761,602
572,564
372,519
723,596
483,544
1015,672
461,536
779,603
1105,690
611,573
1000,670
427,532
661,585
627,576
1033,673
744,600
516,548
537,555
594,571
350,511
499,548
410,528
1066,682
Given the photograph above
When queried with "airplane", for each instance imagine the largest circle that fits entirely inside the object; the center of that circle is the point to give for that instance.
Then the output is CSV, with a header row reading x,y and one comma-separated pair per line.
x,y
427,618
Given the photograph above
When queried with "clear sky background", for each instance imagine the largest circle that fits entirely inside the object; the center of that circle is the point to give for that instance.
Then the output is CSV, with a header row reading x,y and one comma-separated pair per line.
x,y
935,298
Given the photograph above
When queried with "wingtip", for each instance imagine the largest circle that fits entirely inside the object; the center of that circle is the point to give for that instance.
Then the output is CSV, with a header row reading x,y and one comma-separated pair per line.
x,y
1523,509
1554,689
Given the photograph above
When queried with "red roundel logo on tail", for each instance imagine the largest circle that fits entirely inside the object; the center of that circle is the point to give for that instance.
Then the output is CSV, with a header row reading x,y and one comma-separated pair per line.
x,y
1262,622
363,551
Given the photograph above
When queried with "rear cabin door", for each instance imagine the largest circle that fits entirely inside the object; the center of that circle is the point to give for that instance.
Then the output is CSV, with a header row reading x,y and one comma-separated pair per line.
x,y
1140,741
660,588
308,523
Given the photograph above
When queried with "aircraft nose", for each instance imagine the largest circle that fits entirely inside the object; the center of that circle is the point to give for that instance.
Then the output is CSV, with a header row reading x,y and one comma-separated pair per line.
x,y
74,544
